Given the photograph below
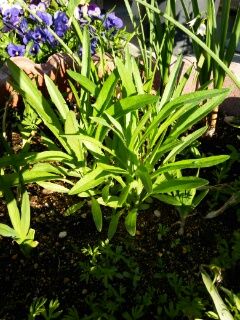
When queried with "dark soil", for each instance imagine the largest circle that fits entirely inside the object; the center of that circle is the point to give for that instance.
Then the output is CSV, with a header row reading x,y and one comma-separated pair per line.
x,y
54,268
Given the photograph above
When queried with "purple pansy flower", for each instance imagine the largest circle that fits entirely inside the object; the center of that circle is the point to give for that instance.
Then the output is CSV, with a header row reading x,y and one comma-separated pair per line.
x,y
93,45
23,26
112,21
37,2
15,50
34,49
94,11
50,38
12,16
60,23
39,35
38,7
28,37
46,17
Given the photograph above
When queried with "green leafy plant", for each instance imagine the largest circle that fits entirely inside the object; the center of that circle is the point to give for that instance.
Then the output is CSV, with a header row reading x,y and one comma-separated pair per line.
x,y
216,38
39,308
20,220
125,150
155,39
180,299
114,270
213,51
199,43
162,231
100,268
228,251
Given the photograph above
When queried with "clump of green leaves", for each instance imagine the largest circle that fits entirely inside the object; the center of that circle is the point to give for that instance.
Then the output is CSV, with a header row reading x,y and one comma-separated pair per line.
x,y
39,308
124,151
20,220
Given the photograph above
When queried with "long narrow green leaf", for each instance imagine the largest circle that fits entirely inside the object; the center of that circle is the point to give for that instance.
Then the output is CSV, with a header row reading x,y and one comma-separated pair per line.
x,y
97,214
28,177
143,174
187,141
56,97
141,127
234,41
86,55
124,195
23,159
76,94
179,184
94,142
74,208
116,125
30,92
48,156
113,225
222,309
191,99
171,84
225,13
191,163
25,214
48,167
110,201
7,231
85,83
112,169
72,4
172,200
53,187
137,77
107,92
23,84
131,222
126,77
13,211
192,117
163,127
72,128
130,104
182,82
89,181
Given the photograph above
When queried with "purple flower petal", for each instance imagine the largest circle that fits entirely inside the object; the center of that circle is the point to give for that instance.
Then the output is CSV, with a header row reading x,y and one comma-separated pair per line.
x,y
112,21
60,23
15,50
94,11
